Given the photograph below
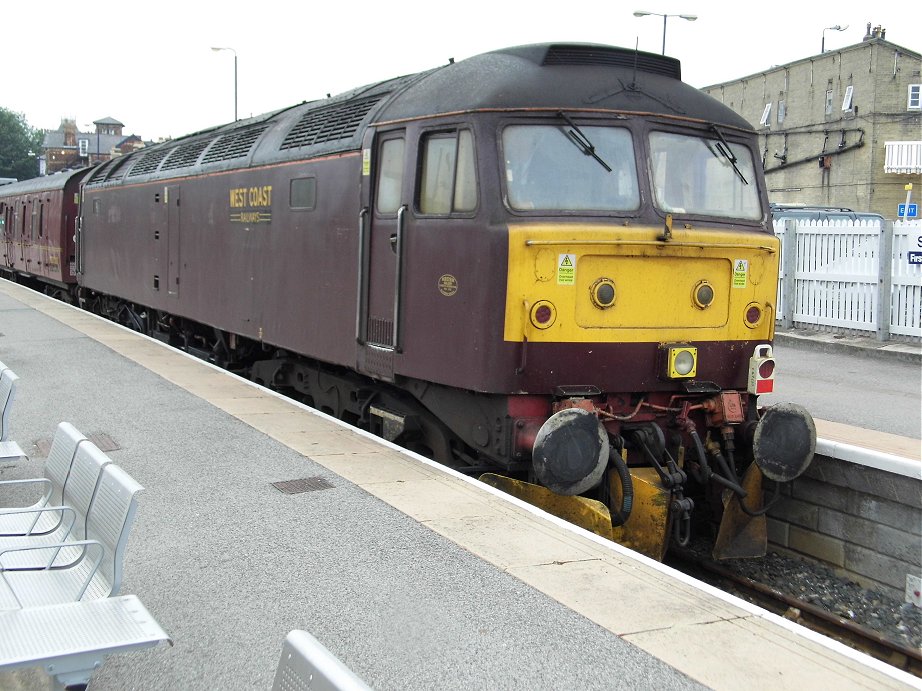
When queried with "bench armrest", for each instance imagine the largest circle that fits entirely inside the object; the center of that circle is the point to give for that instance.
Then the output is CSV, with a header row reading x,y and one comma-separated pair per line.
x,y
46,495
63,510
56,547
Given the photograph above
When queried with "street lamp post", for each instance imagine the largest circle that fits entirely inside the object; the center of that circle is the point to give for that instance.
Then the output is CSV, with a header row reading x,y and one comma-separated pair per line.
x,y
688,17
830,28
235,77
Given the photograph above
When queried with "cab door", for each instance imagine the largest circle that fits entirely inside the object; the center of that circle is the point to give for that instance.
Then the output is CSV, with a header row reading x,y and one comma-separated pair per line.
x,y
382,222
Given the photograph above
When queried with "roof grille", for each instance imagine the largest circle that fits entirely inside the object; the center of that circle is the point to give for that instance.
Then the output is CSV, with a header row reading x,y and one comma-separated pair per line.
x,y
328,124
101,172
122,164
148,162
185,155
234,144
613,57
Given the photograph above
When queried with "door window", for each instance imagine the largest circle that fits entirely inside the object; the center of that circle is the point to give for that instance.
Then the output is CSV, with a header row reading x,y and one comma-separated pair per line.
x,y
390,176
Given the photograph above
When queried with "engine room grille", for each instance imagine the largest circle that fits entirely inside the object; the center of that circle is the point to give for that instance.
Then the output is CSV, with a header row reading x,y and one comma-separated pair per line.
x,y
148,162
328,124
234,144
185,155
612,57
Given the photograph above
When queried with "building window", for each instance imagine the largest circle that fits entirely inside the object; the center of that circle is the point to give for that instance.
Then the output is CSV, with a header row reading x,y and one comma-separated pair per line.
x,y
913,103
766,114
828,101
847,101
782,111
84,147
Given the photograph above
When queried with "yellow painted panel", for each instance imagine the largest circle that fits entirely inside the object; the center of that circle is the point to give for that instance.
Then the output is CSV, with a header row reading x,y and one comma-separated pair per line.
x,y
654,283
653,292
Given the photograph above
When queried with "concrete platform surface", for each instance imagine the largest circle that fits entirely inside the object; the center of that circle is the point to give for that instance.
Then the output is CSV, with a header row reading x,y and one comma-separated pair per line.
x,y
415,577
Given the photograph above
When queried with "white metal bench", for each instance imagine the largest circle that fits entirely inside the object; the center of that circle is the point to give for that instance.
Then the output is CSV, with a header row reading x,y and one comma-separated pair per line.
x,y
15,521
70,640
97,573
69,519
307,664
9,450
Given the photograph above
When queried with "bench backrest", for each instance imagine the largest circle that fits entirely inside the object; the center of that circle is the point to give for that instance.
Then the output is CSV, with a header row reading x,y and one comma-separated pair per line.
x,y
7,393
60,459
82,484
307,664
109,521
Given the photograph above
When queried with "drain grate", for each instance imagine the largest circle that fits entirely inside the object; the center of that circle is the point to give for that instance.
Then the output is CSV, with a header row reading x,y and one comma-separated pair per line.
x,y
101,439
104,442
305,484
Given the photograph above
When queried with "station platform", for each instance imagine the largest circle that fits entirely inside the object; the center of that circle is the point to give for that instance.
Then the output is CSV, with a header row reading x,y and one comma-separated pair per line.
x,y
414,576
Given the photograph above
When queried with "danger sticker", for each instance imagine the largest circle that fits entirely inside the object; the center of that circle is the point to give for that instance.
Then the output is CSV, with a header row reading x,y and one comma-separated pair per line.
x,y
566,270
740,273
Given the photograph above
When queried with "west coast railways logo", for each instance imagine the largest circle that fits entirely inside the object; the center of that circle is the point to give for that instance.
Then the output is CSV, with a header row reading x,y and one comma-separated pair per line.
x,y
251,204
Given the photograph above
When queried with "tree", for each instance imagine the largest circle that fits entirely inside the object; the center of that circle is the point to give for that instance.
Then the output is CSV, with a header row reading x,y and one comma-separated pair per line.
x,y
19,146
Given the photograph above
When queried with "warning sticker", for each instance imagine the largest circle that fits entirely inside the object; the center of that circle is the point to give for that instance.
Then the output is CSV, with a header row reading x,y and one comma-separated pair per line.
x,y
740,273
566,269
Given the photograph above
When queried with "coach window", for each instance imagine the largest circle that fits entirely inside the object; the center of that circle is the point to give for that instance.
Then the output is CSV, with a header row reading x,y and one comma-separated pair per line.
x,y
448,182
41,219
390,175
303,194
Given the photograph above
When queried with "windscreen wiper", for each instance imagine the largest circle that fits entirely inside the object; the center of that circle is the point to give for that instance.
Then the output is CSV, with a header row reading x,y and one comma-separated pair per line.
x,y
726,152
582,142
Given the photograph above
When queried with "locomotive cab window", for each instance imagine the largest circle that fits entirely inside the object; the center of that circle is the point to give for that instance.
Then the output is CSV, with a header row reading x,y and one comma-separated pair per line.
x,y
553,168
702,176
303,194
448,181
390,175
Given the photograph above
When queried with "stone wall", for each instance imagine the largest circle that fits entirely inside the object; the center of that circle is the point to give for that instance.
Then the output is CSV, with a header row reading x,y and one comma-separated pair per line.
x,y
864,522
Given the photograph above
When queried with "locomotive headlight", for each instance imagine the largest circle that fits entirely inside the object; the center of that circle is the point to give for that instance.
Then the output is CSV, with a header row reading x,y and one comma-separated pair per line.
x,y
602,293
543,314
682,362
703,295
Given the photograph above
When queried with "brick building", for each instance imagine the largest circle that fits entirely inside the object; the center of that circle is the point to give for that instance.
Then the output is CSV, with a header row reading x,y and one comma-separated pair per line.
x,y
842,128
67,147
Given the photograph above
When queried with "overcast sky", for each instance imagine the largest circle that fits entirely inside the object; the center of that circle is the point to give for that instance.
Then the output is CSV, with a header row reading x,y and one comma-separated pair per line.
x,y
150,64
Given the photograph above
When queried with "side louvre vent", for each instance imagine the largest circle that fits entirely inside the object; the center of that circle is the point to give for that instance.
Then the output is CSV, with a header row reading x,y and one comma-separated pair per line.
x,y
185,155
328,124
233,145
149,162
613,57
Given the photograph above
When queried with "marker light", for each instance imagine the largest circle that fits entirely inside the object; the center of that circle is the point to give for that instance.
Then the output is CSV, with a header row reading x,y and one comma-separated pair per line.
x,y
753,315
543,314
682,362
761,370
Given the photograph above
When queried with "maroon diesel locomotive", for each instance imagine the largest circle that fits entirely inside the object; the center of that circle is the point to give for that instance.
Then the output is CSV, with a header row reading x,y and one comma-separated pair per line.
x,y
551,266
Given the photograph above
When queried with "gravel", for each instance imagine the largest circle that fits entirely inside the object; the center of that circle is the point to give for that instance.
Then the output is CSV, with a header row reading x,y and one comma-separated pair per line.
x,y
892,618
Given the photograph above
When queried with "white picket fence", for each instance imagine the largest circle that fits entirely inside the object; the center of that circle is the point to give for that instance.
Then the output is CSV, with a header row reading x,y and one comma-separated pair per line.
x,y
834,278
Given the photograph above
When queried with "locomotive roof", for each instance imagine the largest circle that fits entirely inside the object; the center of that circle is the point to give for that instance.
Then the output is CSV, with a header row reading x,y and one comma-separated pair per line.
x,y
569,77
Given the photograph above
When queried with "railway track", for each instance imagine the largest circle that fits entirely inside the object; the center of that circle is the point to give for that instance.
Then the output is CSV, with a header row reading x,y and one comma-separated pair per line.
x,y
863,638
